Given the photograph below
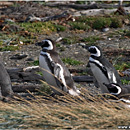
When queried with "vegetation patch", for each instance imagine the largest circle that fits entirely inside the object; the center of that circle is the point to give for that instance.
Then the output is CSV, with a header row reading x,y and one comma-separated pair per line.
x,y
71,61
9,48
101,22
97,22
38,27
122,66
79,26
91,39
124,81
35,63
69,40
44,112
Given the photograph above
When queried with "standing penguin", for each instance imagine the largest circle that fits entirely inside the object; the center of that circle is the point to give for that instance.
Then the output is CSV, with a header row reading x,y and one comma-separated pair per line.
x,y
54,71
102,69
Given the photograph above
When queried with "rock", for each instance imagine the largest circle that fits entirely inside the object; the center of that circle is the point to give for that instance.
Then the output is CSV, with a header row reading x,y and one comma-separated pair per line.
x,y
18,56
105,29
30,59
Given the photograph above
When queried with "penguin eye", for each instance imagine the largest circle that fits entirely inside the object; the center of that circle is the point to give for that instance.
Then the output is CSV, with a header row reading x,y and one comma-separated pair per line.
x,y
46,44
113,89
93,50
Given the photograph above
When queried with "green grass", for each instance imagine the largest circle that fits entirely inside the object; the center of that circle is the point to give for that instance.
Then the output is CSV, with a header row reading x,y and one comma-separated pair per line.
x,y
91,39
79,26
98,22
38,27
60,27
122,66
9,48
101,22
124,81
69,40
35,63
71,61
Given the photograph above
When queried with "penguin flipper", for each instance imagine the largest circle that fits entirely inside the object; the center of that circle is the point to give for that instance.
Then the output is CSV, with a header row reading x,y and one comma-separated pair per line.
x,y
57,72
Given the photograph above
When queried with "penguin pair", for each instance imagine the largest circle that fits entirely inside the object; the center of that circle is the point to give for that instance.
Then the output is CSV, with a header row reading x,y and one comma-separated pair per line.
x,y
102,70
54,71
56,74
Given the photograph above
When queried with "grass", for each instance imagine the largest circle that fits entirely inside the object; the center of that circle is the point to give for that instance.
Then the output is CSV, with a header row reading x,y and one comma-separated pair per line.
x,y
9,48
71,61
79,26
69,40
122,66
124,81
91,39
99,22
35,63
38,27
65,112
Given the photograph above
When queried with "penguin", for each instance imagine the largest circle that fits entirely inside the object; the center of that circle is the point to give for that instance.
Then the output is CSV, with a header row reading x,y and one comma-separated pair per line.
x,y
6,90
118,90
102,70
54,71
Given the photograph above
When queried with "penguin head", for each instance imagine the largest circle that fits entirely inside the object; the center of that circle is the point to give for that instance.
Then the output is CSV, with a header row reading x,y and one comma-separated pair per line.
x,y
95,51
46,44
113,88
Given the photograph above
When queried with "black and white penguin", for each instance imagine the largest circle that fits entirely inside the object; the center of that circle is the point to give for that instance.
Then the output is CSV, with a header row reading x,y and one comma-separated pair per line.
x,y
103,71
54,71
118,90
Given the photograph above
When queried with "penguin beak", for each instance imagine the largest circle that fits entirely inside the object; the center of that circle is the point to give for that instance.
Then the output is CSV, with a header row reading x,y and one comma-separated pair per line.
x,y
39,43
108,85
86,47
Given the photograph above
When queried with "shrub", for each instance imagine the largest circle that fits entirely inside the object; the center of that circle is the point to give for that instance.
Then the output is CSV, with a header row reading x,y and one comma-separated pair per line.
x,y
79,26
101,22
116,22
71,61
69,40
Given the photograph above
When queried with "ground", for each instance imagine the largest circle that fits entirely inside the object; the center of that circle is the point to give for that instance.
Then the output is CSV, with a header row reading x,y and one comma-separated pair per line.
x,y
69,48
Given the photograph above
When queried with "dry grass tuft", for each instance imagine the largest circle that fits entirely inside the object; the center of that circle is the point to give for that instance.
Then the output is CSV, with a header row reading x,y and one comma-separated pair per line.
x,y
64,112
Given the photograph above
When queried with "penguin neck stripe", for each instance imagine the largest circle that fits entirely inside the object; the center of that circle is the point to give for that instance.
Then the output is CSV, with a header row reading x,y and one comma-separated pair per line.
x,y
97,63
47,54
119,90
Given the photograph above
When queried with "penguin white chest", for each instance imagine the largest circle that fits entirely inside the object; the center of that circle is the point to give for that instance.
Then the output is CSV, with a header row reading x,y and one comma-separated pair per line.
x,y
47,74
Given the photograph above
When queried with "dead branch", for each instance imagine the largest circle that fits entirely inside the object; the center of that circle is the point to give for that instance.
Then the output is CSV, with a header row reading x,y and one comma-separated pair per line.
x,y
32,18
85,6
26,88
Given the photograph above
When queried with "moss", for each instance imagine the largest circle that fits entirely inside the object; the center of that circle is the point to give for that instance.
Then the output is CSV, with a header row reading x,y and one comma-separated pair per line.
x,y
71,61
124,81
9,48
122,66
38,27
116,22
91,39
60,27
69,40
101,22
79,26
35,63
